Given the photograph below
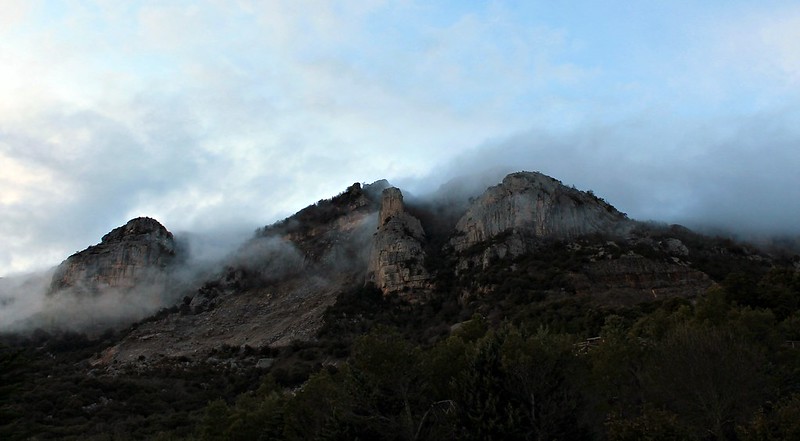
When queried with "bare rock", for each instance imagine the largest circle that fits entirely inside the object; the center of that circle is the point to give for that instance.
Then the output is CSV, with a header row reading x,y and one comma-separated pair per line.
x,y
529,206
674,247
265,363
396,264
633,278
134,254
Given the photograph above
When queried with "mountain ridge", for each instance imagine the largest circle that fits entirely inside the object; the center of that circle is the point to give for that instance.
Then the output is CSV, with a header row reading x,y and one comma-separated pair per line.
x,y
277,286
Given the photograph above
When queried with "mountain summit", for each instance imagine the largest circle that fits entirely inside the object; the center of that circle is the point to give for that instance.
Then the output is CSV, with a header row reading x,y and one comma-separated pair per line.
x,y
534,206
134,254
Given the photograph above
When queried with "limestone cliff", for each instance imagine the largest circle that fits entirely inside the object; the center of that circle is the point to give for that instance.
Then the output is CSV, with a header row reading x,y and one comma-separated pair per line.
x,y
132,255
527,207
396,264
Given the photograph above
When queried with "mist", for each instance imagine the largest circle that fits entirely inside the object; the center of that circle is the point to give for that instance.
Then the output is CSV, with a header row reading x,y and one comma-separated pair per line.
x,y
737,175
22,296
234,255
26,302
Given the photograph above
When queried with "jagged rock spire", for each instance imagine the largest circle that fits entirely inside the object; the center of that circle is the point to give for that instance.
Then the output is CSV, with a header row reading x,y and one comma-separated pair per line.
x,y
396,264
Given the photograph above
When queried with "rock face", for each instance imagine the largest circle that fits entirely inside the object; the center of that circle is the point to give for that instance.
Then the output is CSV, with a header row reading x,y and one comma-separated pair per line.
x,y
527,207
396,264
132,255
632,278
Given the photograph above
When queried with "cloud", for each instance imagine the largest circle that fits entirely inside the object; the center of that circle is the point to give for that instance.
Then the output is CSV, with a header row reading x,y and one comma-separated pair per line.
x,y
212,114
735,173
104,118
27,304
14,12
762,45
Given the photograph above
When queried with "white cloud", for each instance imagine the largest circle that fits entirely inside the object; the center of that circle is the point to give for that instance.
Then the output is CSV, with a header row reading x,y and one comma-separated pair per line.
x,y
14,12
223,112
764,45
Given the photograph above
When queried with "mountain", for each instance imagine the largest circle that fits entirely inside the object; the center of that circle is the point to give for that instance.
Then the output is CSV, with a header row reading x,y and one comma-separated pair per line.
x,y
383,315
528,236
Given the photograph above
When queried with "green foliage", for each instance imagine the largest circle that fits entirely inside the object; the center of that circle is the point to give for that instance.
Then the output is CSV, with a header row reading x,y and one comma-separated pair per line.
x,y
710,377
216,421
12,375
541,373
443,363
485,409
617,365
782,422
472,329
651,425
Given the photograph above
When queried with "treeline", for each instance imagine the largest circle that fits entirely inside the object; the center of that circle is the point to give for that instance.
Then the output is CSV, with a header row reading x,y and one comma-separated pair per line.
x,y
713,370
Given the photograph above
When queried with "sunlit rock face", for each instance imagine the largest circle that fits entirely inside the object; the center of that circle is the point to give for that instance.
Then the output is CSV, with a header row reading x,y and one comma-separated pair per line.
x,y
527,207
135,254
396,264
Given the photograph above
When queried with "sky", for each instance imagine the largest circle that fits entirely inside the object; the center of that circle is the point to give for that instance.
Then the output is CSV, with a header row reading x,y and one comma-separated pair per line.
x,y
218,116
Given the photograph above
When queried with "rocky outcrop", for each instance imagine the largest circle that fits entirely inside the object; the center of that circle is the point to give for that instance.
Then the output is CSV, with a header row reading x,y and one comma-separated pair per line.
x,y
132,255
329,231
396,264
527,207
632,279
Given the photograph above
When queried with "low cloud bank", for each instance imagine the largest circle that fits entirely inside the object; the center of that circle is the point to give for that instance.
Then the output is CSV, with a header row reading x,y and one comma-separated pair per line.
x,y
737,175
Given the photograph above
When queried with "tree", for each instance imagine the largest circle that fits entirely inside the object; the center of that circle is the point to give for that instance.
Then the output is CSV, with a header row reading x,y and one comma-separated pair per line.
x,y
781,423
322,408
710,377
12,369
617,366
485,410
541,374
651,425
387,379
216,421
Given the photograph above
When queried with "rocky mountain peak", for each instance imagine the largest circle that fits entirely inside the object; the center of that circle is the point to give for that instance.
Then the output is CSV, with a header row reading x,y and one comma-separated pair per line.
x,y
520,181
391,204
138,229
134,254
527,207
